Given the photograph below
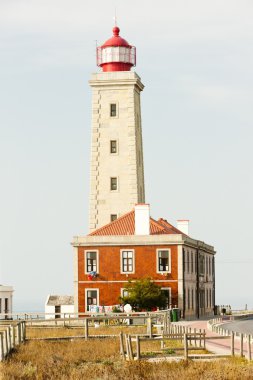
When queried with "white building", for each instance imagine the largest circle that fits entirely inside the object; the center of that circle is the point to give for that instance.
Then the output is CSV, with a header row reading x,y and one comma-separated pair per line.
x,y
59,307
6,294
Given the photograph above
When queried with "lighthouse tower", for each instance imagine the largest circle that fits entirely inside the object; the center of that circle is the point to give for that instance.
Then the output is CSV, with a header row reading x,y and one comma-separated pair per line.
x,y
117,173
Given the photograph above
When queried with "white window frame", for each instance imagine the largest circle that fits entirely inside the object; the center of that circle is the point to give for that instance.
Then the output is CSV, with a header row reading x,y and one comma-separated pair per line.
x,y
121,260
169,289
157,260
86,297
85,260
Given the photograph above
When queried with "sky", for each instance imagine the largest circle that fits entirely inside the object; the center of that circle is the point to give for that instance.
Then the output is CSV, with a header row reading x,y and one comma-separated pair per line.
x,y
195,59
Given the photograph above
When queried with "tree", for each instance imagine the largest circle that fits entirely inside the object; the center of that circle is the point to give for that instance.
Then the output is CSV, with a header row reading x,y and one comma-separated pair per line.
x,y
144,294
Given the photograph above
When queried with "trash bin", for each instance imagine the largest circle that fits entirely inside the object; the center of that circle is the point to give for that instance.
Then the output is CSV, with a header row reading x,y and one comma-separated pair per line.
x,y
175,315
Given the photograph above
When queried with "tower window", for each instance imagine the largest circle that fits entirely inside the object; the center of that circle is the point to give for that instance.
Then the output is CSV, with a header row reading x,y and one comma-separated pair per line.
x,y
113,217
114,183
113,110
113,146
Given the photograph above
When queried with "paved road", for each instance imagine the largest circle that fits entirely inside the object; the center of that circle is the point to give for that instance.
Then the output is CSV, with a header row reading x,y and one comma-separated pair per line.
x,y
245,326
218,346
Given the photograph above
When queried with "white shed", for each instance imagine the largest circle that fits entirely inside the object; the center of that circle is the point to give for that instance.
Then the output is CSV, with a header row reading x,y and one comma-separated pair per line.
x,y
6,293
59,307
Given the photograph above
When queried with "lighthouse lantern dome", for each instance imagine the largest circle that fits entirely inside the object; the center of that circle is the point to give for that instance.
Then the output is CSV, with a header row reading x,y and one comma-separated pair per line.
x,y
116,54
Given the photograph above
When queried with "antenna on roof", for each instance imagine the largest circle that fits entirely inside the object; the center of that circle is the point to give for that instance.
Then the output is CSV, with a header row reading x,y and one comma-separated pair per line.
x,y
115,16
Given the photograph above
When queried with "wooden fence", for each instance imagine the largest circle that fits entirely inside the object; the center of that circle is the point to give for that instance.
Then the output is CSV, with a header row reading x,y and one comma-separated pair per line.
x,y
191,339
191,342
10,336
215,325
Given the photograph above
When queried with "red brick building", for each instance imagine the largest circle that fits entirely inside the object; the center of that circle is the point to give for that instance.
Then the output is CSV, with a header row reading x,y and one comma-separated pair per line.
x,y
136,246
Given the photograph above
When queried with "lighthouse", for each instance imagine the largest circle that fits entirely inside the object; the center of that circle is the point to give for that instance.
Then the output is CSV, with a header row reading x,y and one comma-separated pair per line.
x,y
116,168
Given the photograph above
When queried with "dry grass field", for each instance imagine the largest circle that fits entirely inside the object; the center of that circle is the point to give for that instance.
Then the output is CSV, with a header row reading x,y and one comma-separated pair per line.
x,y
100,359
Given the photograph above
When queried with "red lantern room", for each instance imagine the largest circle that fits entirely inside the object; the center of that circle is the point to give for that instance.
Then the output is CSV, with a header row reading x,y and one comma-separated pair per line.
x,y
116,54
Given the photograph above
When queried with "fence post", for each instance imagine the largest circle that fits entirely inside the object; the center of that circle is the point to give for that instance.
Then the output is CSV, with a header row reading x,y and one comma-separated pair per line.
x,y
24,331
6,342
130,347
162,341
86,329
19,333
149,327
232,343
241,345
200,338
190,330
138,349
249,348
122,351
9,337
13,335
204,339
185,347
1,346
195,339
127,346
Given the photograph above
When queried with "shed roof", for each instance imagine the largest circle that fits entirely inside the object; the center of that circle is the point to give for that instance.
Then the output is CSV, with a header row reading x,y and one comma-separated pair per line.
x,y
54,300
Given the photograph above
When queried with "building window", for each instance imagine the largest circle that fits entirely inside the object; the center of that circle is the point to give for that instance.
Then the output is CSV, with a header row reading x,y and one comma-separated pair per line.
x,y
6,305
114,183
201,265
113,146
113,110
192,270
91,261
188,262
91,298
163,261
124,292
202,299
192,299
113,217
189,299
127,261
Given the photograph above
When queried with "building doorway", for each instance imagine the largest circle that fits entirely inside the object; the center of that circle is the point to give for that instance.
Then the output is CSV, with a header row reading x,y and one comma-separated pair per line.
x,y
57,311
167,293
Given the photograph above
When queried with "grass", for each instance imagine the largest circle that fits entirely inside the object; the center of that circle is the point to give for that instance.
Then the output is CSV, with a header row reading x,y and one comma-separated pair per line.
x,y
100,359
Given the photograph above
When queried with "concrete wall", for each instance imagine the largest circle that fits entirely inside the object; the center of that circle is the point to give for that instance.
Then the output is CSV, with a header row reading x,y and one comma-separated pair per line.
x,y
6,292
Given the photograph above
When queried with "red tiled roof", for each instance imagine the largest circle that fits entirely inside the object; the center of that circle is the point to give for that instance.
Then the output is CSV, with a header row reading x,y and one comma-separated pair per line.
x,y
125,225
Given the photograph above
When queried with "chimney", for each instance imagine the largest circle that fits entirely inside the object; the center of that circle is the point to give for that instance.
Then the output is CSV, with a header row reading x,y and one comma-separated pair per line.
x,y
183,226
142,222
